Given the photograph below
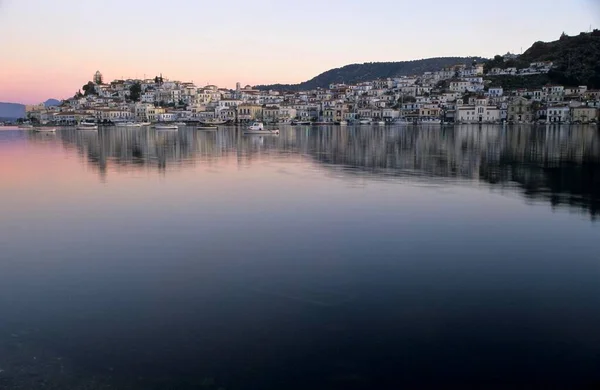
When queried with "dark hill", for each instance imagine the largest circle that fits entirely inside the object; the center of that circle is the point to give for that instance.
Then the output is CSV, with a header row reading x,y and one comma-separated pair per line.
x,y
356,73
576,59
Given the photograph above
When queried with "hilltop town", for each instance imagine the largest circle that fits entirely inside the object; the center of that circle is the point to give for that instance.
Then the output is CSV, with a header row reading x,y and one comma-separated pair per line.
x,y
456,94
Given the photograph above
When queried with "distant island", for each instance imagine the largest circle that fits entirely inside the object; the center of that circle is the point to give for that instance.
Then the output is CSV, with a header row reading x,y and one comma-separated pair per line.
x,y
12,111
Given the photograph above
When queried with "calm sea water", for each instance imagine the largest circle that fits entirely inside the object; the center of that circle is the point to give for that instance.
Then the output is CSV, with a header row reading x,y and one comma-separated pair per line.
x,y
324,258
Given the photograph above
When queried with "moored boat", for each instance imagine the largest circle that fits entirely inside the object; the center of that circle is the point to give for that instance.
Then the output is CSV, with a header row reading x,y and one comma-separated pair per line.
x,y
180,124
44,129
212,122
131,124
166,127
402,121
259,128
431,121
88,124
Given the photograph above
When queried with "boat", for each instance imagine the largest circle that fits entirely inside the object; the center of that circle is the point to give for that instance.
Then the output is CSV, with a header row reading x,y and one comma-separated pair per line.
x,y
180,124
130,124
402,121
303,123
166,127
213,122
343,123
145,124
44,129
381,123
88,124
431,121
365,121
259,128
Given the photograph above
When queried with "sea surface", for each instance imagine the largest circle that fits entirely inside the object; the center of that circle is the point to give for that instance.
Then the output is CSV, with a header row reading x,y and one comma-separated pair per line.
x,y
322,258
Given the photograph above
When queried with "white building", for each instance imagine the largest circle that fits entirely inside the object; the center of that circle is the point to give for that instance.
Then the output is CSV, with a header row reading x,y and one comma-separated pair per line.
x,y
558,114
496,92
480,112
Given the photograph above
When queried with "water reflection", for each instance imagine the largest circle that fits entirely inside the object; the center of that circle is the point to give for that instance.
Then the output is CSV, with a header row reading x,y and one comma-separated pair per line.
x,y
554,164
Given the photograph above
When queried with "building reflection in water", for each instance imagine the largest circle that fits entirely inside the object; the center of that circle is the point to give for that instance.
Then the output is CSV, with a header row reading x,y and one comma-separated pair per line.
x,y
555,164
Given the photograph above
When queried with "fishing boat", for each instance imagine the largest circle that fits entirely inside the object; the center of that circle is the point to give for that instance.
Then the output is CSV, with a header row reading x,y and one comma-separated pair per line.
x,y
88,124
431,121
259,128
166,127
402,121
213,122
131,124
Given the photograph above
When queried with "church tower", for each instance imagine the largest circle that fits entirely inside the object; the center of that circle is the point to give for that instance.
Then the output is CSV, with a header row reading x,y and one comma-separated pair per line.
x,y
98,78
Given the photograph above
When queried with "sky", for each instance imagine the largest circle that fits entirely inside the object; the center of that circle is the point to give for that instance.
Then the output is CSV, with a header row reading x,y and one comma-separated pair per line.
x,y
49,49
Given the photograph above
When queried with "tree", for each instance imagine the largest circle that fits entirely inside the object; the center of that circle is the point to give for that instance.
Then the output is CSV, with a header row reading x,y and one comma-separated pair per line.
x,y
135,91
89,89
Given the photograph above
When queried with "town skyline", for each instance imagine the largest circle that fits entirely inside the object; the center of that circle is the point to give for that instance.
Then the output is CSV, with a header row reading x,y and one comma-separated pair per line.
x,y
262,43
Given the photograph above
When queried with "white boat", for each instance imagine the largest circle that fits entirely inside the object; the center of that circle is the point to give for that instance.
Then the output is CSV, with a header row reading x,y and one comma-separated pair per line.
x,y
88,124
259,128
402,121
166,127
145,123
213,122
131,124
381,123
343,123
180,124
431,121
365,121
25,126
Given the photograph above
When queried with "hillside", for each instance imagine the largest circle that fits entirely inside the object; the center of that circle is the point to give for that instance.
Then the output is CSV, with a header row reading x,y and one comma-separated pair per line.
x,y
12,110
576,59
16,110
357,73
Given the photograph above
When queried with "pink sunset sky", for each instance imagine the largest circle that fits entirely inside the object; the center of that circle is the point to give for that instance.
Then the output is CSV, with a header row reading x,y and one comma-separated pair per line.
x,y
50,49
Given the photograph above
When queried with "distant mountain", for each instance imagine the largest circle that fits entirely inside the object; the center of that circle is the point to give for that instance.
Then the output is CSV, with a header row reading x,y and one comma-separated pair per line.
x,y
356,73
52,102
576,59
12,110
16,110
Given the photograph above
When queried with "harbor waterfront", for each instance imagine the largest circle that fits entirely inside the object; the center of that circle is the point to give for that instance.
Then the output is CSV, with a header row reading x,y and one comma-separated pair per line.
x,y
330,257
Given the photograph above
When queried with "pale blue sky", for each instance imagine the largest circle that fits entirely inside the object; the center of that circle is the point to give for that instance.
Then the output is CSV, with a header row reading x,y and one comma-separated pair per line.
x,y
261,41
